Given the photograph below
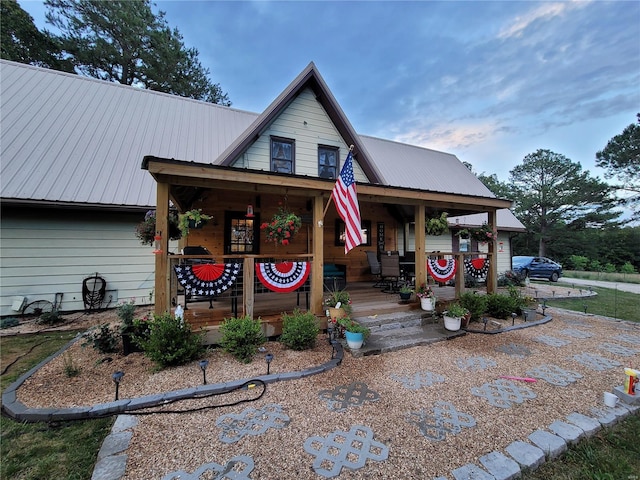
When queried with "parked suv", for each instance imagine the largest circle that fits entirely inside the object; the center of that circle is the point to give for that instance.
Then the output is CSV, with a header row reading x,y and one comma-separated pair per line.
x,y
537,267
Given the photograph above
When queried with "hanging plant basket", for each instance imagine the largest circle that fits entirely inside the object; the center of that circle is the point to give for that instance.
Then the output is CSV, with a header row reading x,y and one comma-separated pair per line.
x,y
437,225
282,228
146,230
192,219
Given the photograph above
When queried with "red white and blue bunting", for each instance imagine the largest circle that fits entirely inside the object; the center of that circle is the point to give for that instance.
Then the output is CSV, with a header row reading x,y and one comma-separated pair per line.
x,y
283,277
476,267
441,269
207,279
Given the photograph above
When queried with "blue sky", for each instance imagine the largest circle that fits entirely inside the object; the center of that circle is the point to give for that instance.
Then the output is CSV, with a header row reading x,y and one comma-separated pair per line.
x,y
487,81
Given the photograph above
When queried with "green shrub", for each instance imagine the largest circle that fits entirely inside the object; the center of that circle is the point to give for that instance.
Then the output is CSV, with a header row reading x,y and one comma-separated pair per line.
x,y
510,277
299,330
103,339
50,318
70,368
500,305
627,268
170,341
475,304
126,311
578,262
9,322
241,337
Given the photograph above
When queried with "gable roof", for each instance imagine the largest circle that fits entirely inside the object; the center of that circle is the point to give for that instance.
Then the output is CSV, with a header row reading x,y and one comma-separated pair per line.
x,y
68,139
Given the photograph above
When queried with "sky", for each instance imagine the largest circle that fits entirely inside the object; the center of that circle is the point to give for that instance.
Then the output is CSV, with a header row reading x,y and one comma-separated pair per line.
x,y
487,81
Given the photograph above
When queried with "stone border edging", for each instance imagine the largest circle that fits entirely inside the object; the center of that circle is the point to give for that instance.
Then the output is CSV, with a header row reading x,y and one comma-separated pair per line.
x,y
18,411
544,320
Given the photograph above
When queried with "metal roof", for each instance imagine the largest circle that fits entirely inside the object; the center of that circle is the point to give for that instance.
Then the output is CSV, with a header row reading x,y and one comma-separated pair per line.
x,y
70,139
505,219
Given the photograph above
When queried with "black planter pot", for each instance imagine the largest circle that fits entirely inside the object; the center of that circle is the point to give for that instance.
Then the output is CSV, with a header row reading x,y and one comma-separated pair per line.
x,y
405,296
128,345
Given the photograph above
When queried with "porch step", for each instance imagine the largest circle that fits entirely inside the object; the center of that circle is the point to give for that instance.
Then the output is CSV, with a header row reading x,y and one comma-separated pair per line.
x,y
401,338
395,320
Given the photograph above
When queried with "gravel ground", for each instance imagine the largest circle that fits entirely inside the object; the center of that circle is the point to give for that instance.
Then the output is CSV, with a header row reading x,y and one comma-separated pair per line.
x,y
164,443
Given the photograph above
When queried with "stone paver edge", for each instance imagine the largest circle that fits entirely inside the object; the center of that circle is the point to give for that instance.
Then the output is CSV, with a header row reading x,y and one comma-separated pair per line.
x,y
20,412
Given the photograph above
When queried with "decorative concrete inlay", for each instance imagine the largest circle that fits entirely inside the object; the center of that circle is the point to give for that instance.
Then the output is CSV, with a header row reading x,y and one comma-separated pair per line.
x,y
344,449
445,419
514,350
551,341
588,425
595,362
112,462
419,380
576,323
237,468
608,416
475,363
345,396
470,470
618,349
500,466
570,433
251,422
554,375
528,456
552,445
503,393
632,339
572,332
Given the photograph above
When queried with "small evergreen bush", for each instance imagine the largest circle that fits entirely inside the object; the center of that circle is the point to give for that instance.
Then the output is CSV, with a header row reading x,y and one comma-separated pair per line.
x,y
9,322
241,337
170,341
50,318
299,330
475,304
103,339
500,306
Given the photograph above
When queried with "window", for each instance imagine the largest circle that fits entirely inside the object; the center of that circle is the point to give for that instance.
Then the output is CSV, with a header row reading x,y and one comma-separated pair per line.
x,y
282,155
241,233
327,162
340,235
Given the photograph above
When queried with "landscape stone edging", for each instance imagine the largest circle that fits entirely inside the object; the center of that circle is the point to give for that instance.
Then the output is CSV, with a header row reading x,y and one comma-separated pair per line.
x,y
542,321
20,412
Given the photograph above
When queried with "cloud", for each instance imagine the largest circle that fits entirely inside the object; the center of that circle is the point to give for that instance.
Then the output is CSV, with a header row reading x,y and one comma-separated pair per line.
x,y
546,11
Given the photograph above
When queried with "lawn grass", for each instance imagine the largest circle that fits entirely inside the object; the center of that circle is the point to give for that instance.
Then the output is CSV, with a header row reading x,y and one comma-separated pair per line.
x,y
604,276
31,451
612,454
607,302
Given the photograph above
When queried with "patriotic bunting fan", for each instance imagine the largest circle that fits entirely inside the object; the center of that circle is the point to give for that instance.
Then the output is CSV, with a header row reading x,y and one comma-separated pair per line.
x,y
441,269
477,267
207,279
283,277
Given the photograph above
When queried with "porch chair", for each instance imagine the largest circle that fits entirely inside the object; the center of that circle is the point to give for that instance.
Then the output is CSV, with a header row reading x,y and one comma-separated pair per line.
x,y
390,271
374,266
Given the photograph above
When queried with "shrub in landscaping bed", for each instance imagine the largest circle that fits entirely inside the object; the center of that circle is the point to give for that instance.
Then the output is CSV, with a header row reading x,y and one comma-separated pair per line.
x,y
241,337
475,304
299,330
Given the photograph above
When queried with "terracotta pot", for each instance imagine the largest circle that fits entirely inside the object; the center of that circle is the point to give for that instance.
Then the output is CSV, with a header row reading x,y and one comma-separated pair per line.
x,y
337,313
464,321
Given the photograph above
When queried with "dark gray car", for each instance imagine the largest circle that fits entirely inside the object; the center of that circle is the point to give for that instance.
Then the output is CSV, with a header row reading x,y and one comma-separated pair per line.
x,y
537,267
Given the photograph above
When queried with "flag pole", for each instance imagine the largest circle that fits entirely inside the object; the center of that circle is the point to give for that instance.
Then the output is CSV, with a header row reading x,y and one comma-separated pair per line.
x,y
331,196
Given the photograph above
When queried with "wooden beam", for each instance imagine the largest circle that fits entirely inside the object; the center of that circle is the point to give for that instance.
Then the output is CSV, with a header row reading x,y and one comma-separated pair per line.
x,y
492,274
318,256
421,257
247,286
162,273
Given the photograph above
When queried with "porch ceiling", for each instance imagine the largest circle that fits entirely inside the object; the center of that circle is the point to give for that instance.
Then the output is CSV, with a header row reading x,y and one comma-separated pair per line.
x,y
187,181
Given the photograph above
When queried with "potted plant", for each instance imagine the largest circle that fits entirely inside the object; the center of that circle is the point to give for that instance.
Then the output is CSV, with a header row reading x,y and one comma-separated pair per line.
x,y
427,297
405,292
282,227
339,304
192,219
146,230
453,316
484,233
437,225
354,332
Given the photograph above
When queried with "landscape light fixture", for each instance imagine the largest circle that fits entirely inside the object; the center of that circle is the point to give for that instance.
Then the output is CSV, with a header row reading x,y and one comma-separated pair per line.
x,y
268,358
585,308
544,305
203,366
117,377
513,318
334,345
485,320
330,329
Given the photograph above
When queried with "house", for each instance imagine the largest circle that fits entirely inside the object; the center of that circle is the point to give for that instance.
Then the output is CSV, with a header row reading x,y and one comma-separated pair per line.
x,y
72,189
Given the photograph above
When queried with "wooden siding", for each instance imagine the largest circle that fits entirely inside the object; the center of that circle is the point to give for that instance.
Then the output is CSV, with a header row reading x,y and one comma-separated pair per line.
x,y
318,130
53,251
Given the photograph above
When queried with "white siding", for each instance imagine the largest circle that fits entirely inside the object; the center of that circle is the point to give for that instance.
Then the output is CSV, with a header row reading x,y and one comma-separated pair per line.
x,y
53,251
318,130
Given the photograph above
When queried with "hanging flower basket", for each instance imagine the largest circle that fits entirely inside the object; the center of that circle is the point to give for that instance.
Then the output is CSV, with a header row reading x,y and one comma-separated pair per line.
x,y
437,225
146,230
282,227
192,219
484,233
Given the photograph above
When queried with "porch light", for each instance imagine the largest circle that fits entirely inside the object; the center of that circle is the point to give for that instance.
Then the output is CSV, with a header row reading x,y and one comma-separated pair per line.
x,y
268,358
117,377
157,247
249,211
203,366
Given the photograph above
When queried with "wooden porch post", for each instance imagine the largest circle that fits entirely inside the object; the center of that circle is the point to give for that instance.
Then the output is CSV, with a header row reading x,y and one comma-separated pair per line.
x,y
421,258
162,273
318,255
459,274
248,272
492,274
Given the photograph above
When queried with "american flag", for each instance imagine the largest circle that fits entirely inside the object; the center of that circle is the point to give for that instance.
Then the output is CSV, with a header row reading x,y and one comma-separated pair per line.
x,y
346,200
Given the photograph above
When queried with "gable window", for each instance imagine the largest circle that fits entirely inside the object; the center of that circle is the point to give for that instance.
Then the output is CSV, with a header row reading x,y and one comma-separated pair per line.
x,y
241,234
282,155
327,162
